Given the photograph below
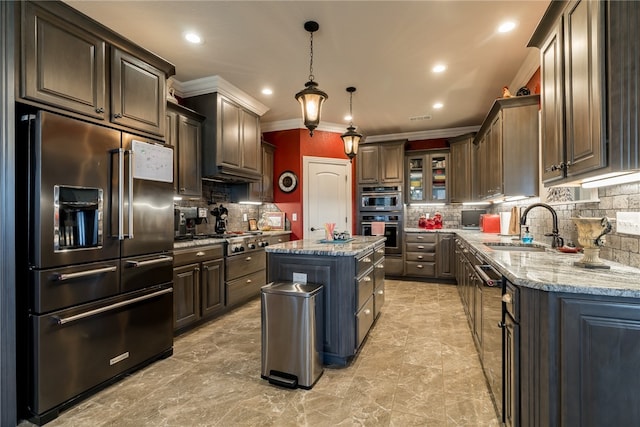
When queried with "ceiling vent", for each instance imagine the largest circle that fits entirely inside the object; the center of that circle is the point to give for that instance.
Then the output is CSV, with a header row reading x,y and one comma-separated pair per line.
x,y
425,117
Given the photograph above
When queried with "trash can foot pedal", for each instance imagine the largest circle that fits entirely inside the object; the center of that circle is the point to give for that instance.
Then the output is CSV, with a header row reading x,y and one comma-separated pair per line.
x,y
283,379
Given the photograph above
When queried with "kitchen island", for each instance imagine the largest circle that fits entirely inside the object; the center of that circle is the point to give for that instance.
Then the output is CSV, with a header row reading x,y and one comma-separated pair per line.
x,y
352,274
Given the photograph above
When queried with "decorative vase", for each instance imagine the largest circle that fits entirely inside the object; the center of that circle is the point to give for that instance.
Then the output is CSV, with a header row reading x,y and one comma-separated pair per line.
x,y
591,233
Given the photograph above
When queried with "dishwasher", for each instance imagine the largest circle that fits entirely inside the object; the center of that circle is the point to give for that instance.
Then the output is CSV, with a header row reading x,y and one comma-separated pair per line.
x,y
491,284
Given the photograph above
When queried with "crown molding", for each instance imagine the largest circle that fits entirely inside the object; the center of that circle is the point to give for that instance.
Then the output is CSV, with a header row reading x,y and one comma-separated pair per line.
x,y
299,124
218,84
526,71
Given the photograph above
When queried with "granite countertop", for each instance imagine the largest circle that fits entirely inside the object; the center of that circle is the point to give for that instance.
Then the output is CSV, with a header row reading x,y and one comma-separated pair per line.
x,y
435,230
553,271
355,247
182,244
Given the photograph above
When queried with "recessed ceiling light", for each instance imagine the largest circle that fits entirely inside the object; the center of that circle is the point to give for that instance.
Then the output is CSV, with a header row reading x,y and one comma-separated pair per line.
x,y
439,68
438,105
505,27
193,38
267,91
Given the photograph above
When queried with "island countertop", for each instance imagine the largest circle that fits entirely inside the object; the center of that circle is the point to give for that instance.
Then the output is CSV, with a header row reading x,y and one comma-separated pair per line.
x,y
553,271
358,245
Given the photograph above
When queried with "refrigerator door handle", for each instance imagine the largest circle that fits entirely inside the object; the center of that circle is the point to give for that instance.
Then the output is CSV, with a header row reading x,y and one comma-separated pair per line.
x,y
96,271
159,260
65,320
130,210
120,194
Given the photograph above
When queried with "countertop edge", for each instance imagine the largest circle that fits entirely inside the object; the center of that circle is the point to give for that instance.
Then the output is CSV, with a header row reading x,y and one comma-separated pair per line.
x,y
360,245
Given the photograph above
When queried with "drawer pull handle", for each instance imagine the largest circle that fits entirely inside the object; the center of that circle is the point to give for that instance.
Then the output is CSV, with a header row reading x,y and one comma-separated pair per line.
x,y
248,280
248,258
366,259
420,247
419,256
507,298
381,265
68,276
366,279
200,253
159,260
420,237
419,266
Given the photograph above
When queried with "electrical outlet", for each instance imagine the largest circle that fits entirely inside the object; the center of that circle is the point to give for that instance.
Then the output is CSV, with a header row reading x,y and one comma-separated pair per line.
x,y
300,278
628,222
244,217
294,216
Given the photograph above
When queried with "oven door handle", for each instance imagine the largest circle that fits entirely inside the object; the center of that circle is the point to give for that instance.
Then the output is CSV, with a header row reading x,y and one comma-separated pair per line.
x,y
158,260
90,313
93,272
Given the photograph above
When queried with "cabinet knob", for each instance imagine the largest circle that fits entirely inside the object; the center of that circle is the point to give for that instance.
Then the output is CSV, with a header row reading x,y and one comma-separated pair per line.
x,y
507,298
100,110
367,312
117,116
380,292
366,259
366,279
200,253
381,265
196,269
182,189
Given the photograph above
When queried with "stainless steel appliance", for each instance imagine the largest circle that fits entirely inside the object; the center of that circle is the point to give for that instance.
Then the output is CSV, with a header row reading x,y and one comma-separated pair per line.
x,y
392,229
381,198
95,300
470,219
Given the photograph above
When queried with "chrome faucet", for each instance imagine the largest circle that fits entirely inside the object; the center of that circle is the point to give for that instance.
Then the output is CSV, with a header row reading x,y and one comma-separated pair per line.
x,y
556,240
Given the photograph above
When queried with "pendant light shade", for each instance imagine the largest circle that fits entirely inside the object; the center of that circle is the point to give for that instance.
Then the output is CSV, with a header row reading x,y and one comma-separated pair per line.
x,y
351,138
311,98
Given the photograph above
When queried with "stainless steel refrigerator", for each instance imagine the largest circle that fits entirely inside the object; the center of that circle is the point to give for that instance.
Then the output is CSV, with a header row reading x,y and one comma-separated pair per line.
x,y
95,293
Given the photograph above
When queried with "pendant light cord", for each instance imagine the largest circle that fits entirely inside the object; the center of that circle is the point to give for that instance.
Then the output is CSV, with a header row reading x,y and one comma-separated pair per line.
x,y
311,76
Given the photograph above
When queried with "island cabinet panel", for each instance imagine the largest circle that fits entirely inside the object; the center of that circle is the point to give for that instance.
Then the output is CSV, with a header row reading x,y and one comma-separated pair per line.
x,y
337,275
599,363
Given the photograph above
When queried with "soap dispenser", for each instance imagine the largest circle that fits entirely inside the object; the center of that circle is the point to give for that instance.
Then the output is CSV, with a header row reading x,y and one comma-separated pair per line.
x,y
527,237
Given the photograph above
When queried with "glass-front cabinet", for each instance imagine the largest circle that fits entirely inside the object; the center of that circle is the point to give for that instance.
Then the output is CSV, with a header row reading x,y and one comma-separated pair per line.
x,y
427,177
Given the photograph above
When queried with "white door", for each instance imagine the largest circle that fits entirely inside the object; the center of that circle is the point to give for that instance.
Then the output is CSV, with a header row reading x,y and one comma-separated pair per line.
x,y
327,195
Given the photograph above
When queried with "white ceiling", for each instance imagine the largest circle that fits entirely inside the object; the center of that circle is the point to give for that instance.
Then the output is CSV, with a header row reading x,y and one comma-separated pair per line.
x,y
386,49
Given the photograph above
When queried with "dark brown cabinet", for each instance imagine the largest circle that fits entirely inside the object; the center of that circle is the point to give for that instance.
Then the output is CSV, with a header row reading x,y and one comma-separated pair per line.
x,y
427,177
184,132
64,58
231,139
445,255
381,163
461,154
262,190
430,255
198,284
590,105
506,149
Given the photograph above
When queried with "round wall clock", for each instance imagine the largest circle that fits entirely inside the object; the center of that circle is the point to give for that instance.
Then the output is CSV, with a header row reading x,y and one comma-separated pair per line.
x,y
287,181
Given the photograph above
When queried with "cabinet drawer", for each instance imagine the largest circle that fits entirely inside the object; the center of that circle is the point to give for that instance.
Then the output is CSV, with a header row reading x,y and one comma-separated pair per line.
x,y
244,288
365,288
420,268
378,300
421,237
239,265
365,263
378,254
364,320
421,247
191,255
421,257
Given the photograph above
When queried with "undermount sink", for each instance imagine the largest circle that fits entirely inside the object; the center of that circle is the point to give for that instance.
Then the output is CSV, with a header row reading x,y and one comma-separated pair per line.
x,y
516,247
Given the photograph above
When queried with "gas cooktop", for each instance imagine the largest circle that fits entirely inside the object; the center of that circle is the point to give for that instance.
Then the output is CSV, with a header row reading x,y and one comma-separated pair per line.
x,y
229,235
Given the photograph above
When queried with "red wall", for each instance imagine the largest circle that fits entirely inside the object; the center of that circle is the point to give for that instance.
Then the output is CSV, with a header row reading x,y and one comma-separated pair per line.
x,y
291,146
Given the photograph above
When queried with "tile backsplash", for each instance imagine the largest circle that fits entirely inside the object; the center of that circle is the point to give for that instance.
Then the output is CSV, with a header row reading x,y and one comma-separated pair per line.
x,y
215,194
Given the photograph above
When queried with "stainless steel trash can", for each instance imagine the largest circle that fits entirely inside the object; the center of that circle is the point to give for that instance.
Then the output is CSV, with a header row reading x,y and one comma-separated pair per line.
x,y
292,333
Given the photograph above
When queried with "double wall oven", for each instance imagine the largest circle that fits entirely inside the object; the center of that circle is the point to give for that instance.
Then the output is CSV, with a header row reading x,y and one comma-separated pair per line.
x,y
381,213
94,295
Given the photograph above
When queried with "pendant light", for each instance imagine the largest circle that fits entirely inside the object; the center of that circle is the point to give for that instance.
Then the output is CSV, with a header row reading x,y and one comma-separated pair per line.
x,y
351,138
311,98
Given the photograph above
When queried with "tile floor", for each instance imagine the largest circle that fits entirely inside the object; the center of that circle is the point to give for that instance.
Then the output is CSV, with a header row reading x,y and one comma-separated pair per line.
x,y
418,367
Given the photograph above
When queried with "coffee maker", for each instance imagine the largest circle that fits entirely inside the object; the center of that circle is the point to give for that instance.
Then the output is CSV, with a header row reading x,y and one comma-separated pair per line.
x,y
220,213
184,221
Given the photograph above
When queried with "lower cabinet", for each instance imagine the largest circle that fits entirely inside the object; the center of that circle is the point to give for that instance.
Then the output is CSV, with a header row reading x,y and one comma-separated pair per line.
x,y
245,275
378,279
430,255
198,284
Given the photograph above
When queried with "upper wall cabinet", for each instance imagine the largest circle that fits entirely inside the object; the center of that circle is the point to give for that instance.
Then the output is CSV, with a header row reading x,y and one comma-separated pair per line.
x,y
590,91
462,162
64,58
506,149
231,139
427,176
184,132
381,163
